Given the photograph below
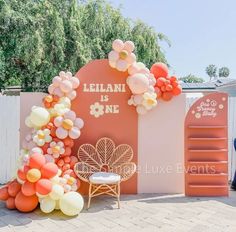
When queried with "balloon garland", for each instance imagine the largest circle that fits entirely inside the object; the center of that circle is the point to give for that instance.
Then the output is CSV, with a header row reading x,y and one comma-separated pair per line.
x,y
45,175
146,85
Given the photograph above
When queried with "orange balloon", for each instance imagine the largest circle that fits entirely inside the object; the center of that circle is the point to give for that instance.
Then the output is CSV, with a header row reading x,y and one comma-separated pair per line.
x,y
169,87
73,161
173,78
167,96
26,203
67,159
163,88
67,151
160,81
28,188
65,167
159,70
10,203
49,170
4,193
174,84
60,162
68,142
43,186
177,90
14,188
36,161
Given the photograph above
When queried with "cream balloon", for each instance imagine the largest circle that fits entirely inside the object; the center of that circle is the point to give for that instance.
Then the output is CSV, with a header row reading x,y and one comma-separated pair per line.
x,y
47,205
39,116
71,203
57,192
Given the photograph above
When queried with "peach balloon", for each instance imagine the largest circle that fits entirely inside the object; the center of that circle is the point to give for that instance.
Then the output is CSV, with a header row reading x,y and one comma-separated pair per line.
x,y
37,161
49,170
26,203
43,186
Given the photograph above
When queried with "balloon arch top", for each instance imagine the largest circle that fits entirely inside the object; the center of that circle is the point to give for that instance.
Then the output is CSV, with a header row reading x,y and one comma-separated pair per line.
x,y
46,166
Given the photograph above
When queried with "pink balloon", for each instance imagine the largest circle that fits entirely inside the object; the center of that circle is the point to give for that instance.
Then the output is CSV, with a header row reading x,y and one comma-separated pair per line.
x,y
58,121
49,159
66,86
74,133
71,95
70,115
118,45
75,82
79,123
58,92
56,81
51,88
138,83
129,46
61,133
122,65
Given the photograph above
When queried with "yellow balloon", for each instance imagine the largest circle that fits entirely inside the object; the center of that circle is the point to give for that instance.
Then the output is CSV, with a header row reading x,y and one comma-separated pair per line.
x,y
47,205
33,175
57,192
71,203
39,116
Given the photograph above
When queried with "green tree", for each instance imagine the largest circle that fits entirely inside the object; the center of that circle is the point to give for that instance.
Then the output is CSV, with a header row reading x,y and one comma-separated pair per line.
x,y
40,38
224,72
211,71
191,79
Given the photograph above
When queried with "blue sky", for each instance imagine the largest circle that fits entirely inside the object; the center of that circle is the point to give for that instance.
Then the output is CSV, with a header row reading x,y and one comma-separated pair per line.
x,y
202,32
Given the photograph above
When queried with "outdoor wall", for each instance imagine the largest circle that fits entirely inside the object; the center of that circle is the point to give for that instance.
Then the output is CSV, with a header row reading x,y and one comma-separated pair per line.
x,y
161,148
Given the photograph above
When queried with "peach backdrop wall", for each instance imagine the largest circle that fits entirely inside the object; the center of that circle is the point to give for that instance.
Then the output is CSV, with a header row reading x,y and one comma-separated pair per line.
x,y
161,148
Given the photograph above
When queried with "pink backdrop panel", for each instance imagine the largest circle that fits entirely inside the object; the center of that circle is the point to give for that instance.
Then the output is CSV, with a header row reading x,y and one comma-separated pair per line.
x,y
27,100
161,148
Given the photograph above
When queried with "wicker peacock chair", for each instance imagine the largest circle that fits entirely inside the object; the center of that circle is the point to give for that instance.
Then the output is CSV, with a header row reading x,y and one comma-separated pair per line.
x,y
104,167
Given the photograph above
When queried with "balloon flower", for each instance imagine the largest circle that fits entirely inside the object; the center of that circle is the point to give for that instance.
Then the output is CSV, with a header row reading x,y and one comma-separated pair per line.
x,y
122,56
45,175
64,85
166,86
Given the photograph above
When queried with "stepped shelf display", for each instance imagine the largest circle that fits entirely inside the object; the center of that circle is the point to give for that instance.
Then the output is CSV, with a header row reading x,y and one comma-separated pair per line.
x,y
206,147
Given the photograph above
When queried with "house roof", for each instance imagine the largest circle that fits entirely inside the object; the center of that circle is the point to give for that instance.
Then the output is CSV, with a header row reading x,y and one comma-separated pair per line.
x,y
220,84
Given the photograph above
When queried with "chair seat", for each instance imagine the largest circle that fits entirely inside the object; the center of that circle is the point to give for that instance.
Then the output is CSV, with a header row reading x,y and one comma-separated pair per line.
x,y
104,178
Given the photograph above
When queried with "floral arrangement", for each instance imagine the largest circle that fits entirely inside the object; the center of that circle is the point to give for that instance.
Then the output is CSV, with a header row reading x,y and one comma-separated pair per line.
x,y
146,85
45,175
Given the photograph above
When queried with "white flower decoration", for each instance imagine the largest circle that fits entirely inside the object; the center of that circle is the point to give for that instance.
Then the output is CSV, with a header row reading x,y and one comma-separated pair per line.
x,y
42,136
56,149
96,109
149,100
